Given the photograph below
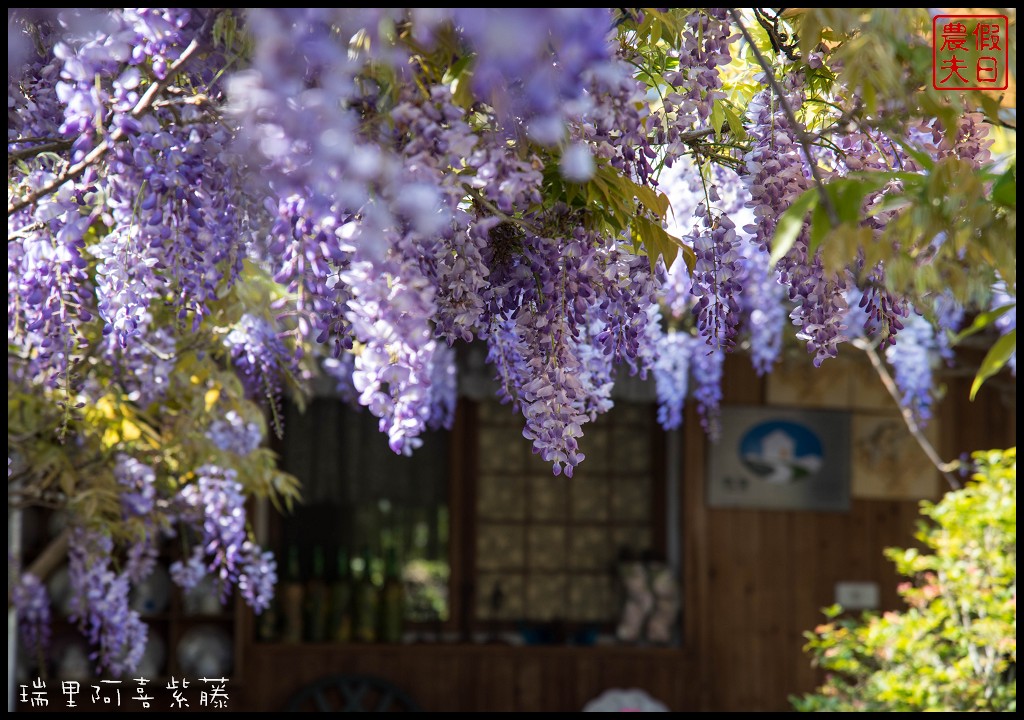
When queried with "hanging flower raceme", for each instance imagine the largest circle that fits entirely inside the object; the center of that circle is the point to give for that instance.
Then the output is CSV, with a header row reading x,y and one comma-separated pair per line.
x,y
671,376
706,369
215,502
100,603
777,173
912,358
260,356
32,604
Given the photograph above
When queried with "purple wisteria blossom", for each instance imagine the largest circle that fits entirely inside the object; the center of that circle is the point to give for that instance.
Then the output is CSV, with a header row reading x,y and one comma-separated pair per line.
x,y
912,357
531,60
137,480
215,502
949,317
32,605
235,434
777,173
259,354
671,375
100,603
715,280
763,294
706,369
444,387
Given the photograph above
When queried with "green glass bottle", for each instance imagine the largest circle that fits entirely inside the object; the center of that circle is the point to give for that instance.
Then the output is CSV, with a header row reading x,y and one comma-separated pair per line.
x,y
266,624
392,600
292,593
315,600
339,623
365,600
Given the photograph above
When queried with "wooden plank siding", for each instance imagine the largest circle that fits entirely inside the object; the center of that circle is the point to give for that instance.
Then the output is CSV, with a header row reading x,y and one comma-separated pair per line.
x,y
756,580
460,678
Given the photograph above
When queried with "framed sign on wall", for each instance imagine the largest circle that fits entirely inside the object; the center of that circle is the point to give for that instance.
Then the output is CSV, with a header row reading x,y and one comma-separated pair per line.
x,y
781,459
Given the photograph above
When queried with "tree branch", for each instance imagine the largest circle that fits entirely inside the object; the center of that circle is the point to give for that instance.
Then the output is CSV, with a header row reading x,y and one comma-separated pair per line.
x,y
772,28
97,153
25,232
33,150
690,136
491,207
947,469
801,133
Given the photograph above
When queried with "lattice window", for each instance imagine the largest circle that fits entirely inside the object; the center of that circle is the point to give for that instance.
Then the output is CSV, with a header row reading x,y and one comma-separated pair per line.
x,y
550,544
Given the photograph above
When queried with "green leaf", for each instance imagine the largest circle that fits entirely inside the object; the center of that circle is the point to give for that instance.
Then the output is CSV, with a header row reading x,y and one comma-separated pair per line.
x,y
462,93
994,361
572,191
717,118
982,321
735,123
67,483
820,228
664,205
923,158
1004,191
657,243
650,199
455,71
791,223
848,197
990,106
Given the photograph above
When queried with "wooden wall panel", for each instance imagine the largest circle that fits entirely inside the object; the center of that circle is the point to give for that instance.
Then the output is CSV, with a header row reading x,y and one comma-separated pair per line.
x,y
755,581
458,678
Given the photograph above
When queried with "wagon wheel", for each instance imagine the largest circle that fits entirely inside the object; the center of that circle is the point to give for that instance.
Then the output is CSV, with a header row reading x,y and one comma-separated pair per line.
x,y
351,693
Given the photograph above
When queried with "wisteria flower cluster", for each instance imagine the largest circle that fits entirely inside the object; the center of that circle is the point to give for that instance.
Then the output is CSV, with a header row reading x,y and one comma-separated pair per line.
x,y
215,502
32,603
100,603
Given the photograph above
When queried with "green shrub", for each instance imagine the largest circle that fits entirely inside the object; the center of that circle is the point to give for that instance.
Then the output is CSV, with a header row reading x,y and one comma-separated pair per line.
x,y
955,646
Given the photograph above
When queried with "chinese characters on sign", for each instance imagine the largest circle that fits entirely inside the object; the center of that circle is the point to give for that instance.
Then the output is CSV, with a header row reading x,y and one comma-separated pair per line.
x,y
210,693
970,52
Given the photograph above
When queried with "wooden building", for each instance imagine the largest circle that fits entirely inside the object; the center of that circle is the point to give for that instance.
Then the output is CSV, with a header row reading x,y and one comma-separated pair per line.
x,y
528,553
752,581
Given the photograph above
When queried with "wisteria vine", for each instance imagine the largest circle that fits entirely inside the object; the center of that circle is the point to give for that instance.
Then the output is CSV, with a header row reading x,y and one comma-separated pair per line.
x,y
210,208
